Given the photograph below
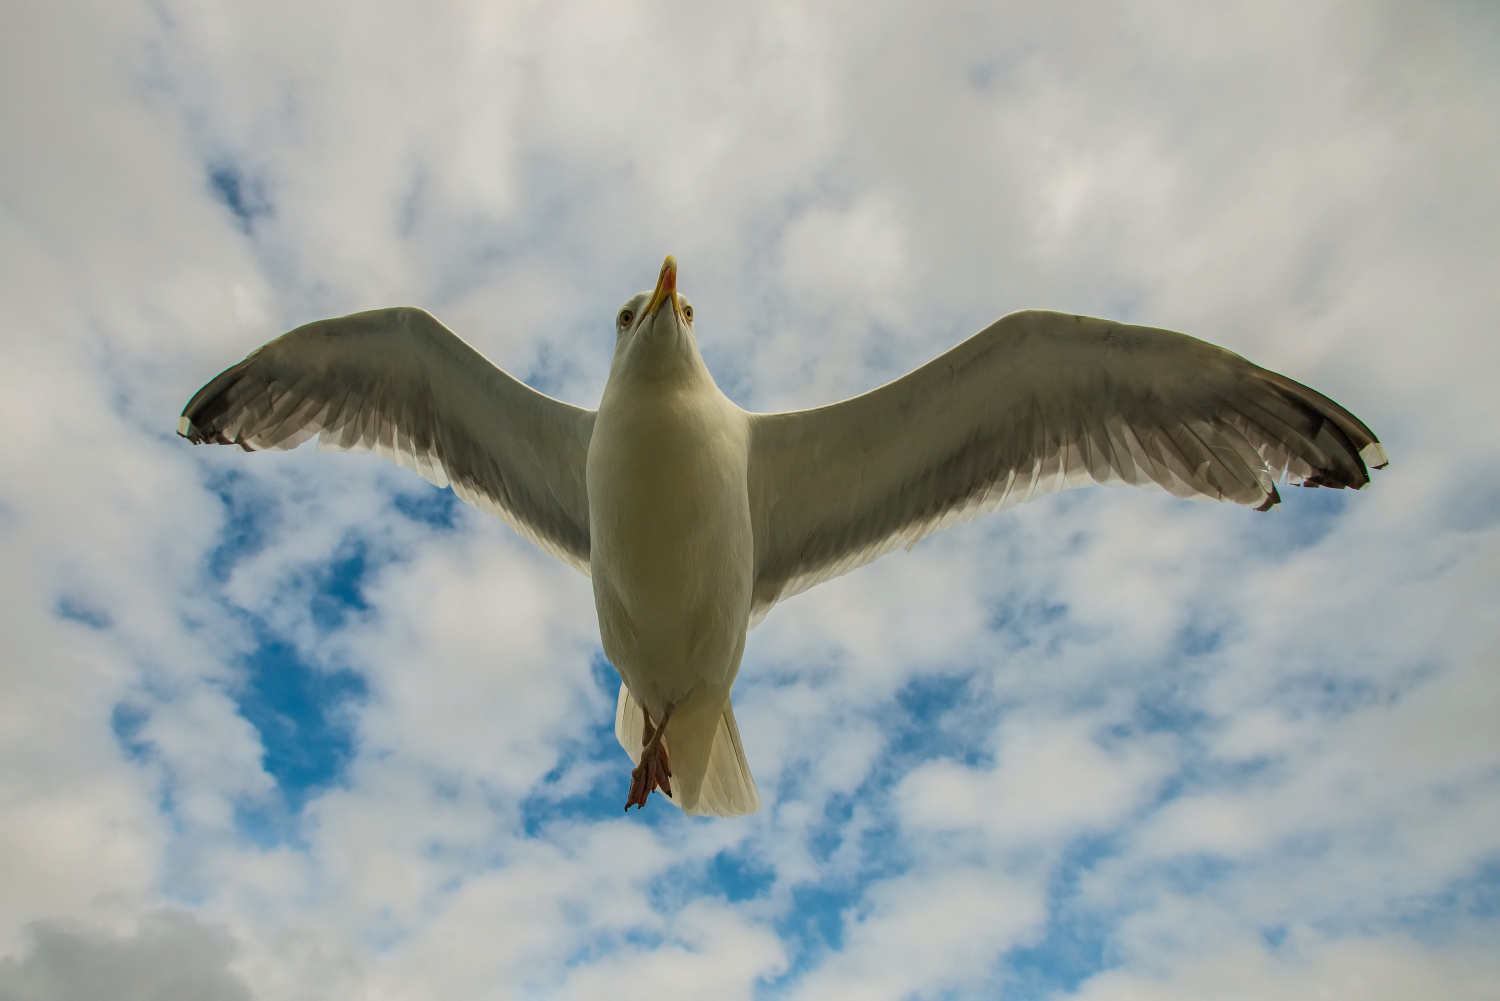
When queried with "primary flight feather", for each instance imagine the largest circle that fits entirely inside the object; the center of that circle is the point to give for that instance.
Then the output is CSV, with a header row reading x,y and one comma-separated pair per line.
x,y
693,517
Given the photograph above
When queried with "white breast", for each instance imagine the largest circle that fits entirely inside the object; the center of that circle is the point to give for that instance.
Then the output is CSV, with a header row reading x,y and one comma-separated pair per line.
x,y
670,533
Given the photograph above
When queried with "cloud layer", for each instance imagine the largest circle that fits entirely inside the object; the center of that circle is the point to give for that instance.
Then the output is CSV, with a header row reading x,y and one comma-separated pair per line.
x,y
297,725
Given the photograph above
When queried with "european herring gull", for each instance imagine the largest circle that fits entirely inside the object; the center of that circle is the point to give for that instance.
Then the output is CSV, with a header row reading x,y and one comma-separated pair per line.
x,y
694,517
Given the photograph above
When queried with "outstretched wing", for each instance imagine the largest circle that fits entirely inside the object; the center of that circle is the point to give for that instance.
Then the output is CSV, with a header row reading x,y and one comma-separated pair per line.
x,y
399,383
1037,402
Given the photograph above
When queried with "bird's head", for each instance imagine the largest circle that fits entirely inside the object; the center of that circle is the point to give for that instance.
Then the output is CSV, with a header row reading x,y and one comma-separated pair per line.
x,y
659,314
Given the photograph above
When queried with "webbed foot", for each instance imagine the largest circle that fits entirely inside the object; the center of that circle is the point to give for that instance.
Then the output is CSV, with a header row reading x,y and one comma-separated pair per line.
x,y
655,771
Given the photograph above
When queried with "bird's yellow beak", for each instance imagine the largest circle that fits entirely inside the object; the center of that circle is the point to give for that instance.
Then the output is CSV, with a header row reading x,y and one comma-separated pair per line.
x,y
666,291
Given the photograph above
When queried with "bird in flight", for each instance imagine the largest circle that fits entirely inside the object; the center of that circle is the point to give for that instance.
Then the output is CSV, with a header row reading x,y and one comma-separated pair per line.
x,y
693,517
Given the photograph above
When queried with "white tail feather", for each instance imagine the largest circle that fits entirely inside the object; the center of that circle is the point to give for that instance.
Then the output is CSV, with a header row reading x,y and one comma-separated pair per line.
x,y
728,788
630,725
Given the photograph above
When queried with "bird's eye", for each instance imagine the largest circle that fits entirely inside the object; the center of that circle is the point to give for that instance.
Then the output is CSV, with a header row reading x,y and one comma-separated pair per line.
x,y
687,311
625,317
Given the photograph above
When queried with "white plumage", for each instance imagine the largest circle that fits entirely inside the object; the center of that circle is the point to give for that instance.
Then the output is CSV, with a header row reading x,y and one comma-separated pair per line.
x,y
694,517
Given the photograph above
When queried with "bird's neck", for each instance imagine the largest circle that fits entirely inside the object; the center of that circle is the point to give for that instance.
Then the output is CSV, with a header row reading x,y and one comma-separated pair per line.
x,y
668,359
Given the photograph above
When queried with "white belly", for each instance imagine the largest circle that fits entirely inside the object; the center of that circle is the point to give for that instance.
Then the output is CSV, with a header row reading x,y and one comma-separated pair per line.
x,y
670,534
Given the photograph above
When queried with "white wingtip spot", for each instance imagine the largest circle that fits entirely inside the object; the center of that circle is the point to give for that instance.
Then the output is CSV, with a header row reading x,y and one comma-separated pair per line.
x,y
184,425
1374,455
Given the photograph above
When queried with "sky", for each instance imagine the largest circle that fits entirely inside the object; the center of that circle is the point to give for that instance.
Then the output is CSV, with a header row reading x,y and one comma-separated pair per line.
x,y
301,726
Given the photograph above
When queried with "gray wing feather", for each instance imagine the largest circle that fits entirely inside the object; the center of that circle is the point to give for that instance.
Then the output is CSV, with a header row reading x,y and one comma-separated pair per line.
x,y
1038,402
398,383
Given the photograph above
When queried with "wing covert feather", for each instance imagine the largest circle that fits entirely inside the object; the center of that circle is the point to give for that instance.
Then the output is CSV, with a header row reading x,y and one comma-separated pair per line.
x,y
1037,402
398,383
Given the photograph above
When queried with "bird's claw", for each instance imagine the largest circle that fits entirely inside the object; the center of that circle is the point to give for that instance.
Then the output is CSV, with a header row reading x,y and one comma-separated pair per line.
x,y
653,773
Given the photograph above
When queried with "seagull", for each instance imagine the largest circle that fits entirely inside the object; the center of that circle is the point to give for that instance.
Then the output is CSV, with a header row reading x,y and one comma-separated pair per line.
x,y
693,517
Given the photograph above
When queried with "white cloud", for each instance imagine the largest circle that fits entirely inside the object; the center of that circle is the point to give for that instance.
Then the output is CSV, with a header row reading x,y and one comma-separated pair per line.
x,y
927,933
170,957
1051,782
1374,969
1241,752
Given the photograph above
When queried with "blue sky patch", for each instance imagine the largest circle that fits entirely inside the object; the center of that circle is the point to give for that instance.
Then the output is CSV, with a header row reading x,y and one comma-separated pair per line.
x,y
433,506
339,591
814,923
302,710
1026,621
303,714
1075,943
243,195
75,609
251,511
939,716
739,875
600,753
126,721
1471,895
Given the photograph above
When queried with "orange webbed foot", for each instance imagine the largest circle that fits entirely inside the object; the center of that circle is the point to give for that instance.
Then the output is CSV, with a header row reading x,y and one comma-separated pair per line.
x,y
655,770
